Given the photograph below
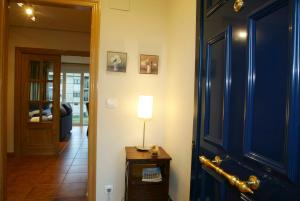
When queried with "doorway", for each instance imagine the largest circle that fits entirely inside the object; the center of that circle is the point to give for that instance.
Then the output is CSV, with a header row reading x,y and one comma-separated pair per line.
x,y
75,87
45,138
93,80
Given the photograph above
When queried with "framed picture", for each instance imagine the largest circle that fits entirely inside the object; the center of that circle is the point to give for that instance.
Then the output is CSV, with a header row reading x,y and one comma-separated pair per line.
x,y
149,64
116,61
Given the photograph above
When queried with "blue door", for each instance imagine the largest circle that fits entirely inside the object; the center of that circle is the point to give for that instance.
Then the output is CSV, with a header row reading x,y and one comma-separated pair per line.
x,y
248,101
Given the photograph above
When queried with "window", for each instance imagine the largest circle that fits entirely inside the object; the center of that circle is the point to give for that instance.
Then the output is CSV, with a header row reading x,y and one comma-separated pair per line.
x,y
74,88
76,94
40,106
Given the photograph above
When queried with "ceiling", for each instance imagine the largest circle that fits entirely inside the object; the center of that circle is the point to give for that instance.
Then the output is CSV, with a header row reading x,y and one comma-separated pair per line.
x,y
56,18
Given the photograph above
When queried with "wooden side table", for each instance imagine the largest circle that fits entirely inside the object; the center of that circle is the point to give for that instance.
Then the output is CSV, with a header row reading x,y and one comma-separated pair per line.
x,y
135,188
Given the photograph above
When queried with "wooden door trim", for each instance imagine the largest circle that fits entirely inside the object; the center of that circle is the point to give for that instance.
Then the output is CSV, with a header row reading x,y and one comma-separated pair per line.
x,y
17,103
19,51
95,5
3,88
21,57
43,51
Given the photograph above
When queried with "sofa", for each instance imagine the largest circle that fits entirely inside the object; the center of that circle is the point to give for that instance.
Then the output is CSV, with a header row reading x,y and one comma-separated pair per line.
x,y
65,121
34,113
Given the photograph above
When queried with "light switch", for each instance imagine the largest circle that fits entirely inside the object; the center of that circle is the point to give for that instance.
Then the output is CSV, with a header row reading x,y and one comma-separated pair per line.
x,y
111,103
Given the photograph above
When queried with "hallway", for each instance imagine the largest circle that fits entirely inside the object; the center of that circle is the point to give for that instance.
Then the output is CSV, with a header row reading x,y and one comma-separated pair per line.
x,y
51,178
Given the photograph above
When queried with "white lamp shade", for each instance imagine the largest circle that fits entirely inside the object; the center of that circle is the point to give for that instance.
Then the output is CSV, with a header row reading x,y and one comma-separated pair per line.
x,y
145,107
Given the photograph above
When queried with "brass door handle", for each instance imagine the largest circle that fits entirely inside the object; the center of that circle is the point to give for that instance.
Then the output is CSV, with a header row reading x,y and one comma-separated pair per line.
x,y
217,160
238,5
243,186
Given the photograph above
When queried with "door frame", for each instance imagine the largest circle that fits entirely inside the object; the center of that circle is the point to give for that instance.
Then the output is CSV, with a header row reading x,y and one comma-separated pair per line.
x,y
19,51
3,88
195,163
95,6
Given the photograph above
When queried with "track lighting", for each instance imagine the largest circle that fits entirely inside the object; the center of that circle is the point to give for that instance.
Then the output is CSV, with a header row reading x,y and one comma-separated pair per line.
x,y
33,18
29,11
20,4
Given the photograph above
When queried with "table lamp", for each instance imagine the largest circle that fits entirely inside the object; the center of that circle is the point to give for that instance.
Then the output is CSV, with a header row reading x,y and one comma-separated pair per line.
x,y
144,112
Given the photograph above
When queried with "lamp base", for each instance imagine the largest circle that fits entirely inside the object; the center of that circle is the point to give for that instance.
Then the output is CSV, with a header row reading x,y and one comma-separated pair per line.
x,y
143,148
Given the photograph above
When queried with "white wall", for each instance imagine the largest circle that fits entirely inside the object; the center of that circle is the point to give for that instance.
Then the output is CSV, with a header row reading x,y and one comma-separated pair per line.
x,y
36,38
143,29
180,94
166,28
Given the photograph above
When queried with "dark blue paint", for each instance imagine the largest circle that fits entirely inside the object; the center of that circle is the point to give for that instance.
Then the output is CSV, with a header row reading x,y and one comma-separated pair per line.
x,y
294,126
196,173
211,186
274,159
214,5
218,83
215,68
267,90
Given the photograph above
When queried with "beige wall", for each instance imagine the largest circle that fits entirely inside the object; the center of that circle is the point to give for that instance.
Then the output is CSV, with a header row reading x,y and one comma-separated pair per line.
x,y
36,38
140,30
180,94
166,28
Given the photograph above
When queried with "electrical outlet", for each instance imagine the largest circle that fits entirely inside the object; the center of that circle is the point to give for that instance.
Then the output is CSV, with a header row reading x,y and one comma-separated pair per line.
x,y
108,188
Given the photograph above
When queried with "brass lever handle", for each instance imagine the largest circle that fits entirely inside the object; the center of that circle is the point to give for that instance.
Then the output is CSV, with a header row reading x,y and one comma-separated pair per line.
x,y
238,5
217,160
243,186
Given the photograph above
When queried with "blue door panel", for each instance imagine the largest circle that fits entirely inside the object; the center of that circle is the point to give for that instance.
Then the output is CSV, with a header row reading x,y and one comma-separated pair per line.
x,y
268,86
214,188
294,102
213,5
218,76
248,99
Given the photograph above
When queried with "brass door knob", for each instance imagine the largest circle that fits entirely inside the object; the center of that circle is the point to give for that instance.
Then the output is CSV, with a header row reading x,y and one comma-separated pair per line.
x,y
238,5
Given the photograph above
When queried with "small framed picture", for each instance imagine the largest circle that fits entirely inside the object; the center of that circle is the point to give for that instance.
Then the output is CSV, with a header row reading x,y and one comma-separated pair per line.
x,y
149,64
116,61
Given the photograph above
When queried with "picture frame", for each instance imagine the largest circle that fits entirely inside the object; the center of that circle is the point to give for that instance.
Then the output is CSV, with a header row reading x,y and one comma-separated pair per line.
x,y
116,61
149,64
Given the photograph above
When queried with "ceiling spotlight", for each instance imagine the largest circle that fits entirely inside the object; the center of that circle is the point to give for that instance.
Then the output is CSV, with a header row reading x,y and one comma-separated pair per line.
x,y
33,18
29,11
20,4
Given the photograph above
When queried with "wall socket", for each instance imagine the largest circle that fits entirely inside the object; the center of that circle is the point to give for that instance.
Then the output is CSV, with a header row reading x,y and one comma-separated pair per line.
x,y
108,188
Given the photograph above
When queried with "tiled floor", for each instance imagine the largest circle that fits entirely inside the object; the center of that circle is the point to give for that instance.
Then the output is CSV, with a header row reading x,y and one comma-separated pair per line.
x,y
51,178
